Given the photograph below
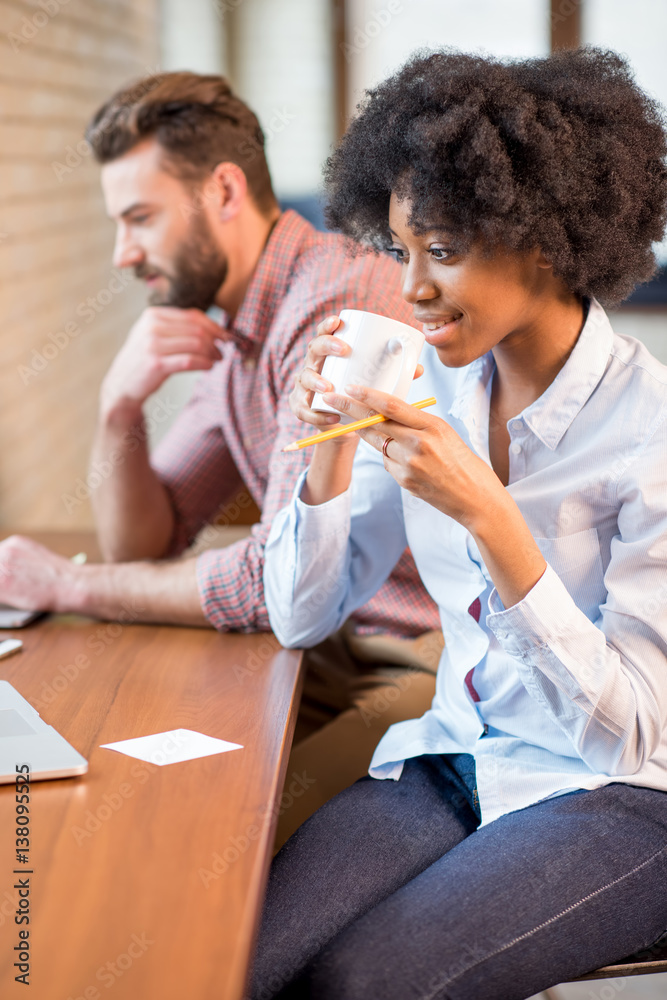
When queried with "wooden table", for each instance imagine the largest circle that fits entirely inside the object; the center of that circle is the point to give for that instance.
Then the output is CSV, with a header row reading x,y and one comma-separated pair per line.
x,y
148,880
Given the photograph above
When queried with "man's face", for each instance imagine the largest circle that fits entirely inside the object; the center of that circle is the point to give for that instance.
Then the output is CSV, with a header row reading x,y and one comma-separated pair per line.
x,y
161,232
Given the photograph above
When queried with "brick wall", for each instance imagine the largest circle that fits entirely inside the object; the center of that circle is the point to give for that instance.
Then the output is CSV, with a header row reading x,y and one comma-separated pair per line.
x,y
63,310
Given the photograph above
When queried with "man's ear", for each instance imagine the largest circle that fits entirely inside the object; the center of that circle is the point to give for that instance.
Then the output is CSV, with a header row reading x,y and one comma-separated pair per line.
x,y
231,189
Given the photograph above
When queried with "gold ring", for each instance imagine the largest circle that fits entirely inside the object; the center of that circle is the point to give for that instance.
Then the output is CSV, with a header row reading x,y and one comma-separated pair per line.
x,y
385,446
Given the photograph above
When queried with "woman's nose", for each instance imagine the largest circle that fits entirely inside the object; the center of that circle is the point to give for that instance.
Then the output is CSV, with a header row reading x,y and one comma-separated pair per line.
x,y
417,286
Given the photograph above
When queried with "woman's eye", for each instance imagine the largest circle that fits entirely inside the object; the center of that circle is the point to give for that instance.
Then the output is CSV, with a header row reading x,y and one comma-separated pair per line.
x,y
399,254
439,253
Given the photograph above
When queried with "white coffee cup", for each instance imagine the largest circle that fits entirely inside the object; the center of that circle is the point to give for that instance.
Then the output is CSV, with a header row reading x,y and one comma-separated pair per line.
x,y
384,356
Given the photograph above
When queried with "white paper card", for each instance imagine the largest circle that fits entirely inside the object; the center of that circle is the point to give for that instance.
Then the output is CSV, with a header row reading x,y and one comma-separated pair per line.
x,y
173,747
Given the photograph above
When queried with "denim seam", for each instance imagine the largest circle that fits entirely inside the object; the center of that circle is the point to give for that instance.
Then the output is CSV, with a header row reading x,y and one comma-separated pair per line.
x,y
546,923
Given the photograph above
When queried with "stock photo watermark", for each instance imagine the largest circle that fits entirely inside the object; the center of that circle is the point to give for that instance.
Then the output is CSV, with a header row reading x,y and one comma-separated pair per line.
x,y
111,971
168,751
86,310
33,24
103,469
221,861
266,650
224,7
96,643
209,194
22,882
363,35
564,10
74,156
111,803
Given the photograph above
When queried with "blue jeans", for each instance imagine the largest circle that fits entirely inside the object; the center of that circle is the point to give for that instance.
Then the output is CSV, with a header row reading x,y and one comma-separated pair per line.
x,y
391,892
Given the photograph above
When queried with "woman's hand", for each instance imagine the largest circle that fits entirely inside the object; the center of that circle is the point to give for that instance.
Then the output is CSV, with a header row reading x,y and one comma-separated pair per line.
x,y
330,470
428,458
309,380
424,454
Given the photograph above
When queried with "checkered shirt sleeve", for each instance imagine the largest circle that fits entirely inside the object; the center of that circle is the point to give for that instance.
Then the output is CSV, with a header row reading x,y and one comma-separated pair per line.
x,y
198,469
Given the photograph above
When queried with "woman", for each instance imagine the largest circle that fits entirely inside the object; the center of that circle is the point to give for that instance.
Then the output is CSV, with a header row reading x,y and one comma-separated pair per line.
x,y
519,835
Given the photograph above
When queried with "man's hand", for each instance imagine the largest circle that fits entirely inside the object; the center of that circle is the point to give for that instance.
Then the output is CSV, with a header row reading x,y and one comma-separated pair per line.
x,y
133,511
164,340
33,578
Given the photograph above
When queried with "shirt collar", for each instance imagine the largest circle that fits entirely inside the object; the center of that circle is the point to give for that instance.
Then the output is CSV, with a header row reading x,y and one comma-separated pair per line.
x,y
270,280
551,414
471,402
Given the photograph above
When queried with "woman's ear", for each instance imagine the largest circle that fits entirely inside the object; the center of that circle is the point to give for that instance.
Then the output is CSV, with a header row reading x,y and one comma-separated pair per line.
x,y
541,260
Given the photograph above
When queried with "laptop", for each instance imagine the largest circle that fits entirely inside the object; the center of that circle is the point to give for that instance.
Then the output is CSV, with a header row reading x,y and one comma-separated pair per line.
x,y
14,618
26,739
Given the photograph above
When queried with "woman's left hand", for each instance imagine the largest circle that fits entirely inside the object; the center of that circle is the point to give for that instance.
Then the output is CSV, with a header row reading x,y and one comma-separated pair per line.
x,y
428,458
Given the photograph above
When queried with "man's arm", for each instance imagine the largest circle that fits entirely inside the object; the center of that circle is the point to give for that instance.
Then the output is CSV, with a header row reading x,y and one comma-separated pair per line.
x,y
223,587
133,510
231,580
33,577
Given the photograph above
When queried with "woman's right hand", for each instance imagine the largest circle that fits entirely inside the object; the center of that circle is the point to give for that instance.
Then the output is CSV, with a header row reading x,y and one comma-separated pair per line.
x,y
309,380
331,466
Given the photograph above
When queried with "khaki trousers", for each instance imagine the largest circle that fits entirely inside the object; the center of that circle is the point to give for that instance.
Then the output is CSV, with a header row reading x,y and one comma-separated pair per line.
x,y
355,688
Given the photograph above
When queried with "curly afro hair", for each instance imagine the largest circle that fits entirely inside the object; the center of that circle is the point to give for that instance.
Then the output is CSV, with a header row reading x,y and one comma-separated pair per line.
x,y
564,153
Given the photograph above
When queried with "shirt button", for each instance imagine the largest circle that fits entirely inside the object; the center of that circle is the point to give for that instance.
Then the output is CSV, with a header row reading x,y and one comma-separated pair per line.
x,y
517,425
250,364
515,448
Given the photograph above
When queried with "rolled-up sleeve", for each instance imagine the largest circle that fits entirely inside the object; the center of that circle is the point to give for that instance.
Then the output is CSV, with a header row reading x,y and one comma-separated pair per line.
x,y
230,580
323,562
603,681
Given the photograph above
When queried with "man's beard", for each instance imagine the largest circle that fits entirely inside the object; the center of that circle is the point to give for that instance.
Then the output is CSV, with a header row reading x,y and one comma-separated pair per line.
x,y
199,269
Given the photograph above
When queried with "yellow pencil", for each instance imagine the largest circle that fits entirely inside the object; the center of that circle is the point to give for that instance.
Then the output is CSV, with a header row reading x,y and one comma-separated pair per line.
x,y
347,428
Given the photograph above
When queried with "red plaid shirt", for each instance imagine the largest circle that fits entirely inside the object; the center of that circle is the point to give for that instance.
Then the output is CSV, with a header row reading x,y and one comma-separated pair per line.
x,y
238,420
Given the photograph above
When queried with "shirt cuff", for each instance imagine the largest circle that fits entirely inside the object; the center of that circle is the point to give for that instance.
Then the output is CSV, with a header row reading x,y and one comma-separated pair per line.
x,y
230,596
315,523
210,585
546,613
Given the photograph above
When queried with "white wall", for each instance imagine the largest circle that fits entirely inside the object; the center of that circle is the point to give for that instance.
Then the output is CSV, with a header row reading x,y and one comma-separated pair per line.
x,y
192,35
382,34
283,67
639,31
651,329
279,56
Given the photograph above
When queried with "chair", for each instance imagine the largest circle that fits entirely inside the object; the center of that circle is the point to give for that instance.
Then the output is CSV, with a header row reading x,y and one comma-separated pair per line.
x,y
642,963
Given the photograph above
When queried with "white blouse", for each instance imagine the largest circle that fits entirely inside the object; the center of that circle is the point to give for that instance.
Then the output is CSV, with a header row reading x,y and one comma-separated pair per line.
x,y
572,680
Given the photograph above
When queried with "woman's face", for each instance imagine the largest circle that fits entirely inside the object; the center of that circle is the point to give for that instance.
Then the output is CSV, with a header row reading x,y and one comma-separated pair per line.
x,y
466,302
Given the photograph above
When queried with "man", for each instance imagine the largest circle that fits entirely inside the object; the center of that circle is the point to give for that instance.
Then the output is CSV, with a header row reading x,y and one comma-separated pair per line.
x,y
186,181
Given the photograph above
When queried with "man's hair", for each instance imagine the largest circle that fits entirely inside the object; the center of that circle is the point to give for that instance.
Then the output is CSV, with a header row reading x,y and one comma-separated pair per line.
x,y
564,153
198,122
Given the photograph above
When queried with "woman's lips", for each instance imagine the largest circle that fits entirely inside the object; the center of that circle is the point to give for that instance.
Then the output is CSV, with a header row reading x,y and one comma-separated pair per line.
x,y
437,331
